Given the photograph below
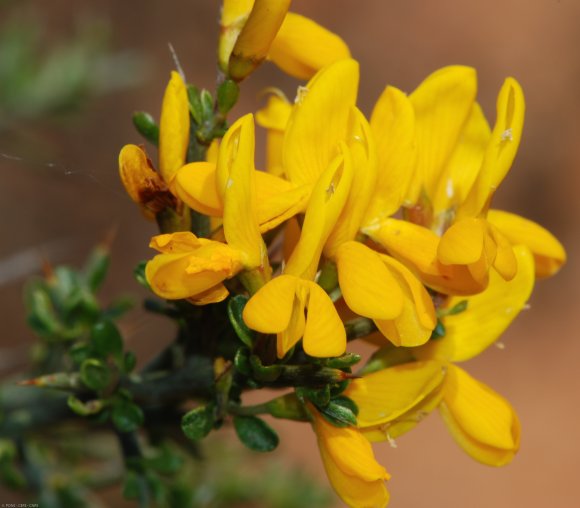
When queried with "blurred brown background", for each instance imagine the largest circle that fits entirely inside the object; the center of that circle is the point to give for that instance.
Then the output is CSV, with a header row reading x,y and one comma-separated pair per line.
x,y
59,194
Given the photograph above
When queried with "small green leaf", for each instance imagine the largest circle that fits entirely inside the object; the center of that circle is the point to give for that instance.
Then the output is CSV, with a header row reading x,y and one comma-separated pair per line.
x,y
319,397
206,104
195,107
347,403
139,274
79,352
459,307
266,373
166,462
255,433
129,361
242,362
95,374
81,408
106,339
96,268
439,330
227,95
146,126
197,423
127,416
344,361
235,310
338,415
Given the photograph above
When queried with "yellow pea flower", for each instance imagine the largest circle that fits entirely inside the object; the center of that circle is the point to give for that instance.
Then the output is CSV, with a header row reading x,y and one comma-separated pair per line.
x,y
252,31
481,421
190,267
279,306
349,462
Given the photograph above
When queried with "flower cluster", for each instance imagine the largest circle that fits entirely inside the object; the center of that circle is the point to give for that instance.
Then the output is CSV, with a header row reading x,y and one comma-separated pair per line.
x,y
378,228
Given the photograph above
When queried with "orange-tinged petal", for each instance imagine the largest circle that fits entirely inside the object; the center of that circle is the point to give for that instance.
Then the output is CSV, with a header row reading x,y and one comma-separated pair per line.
x,y
385,395
464,163
442,104
270,308
364,164
367,285
235,179
195,185
462,243
324,334
326,203
549,254
173,128
501,149
256,37
174,243
481,421
302,47
320,121
497,307
393,127
214,294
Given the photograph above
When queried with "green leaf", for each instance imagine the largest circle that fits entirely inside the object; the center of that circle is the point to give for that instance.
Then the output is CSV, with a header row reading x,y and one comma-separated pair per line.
x,y
81,408
166,462
106,339
197,423
227,95
139,274
79,352
255,433
129,361
127,416
242,362
96,268
95,374
439,331
319,397
146,126
266,373
344,361
347,403
235,310
206,104
195,107
338,414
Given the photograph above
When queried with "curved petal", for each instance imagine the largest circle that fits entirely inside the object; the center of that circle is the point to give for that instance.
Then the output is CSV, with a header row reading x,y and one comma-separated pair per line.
x,y
277,209
501,149
481,421
174,243
195,185
270,308
214,294
442,104
173,128
233,18
288,338
549,254
387,394
497,307
319,121
274,117
393,127
302,47
367,285
462,243
326,203
324,334
256,37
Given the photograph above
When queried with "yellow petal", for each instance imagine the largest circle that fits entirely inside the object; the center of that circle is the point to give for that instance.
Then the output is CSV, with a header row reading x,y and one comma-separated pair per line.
x,y
326,203
144,186
501,149
324,334
464,163
462,243
481,421
549,254
319,121
387,394
367,285
274,117
442,104
364,164
505,261
302,47
497,307
214,294
253,42
233,18
174,243
195,185
393,127
173,128
269,309
277,209
235,178
187,273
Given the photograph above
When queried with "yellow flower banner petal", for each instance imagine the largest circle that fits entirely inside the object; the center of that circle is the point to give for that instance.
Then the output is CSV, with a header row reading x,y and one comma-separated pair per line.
x,y
482,422
302,47
195,185
549,254
320,121
274,117
173,128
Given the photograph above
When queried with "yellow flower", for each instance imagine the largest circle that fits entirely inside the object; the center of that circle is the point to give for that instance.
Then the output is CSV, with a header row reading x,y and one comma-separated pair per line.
x,y
349,462
393,400
189,266
253,30
280,306
460,162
